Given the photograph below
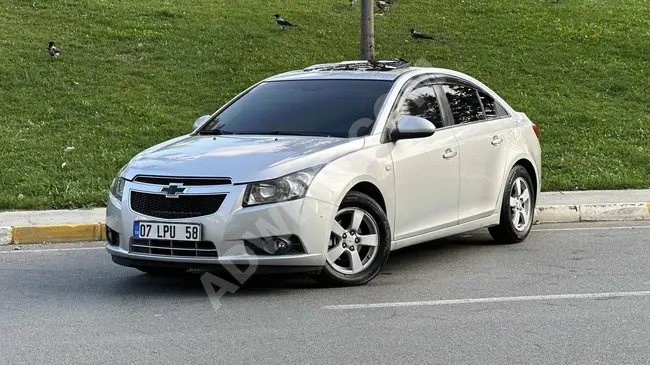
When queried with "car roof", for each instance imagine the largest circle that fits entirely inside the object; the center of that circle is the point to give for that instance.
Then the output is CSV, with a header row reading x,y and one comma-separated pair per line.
x,y
339,75
333,71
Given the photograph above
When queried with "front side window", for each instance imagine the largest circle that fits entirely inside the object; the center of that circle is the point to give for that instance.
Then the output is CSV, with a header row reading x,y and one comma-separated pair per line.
x,y
334,108
464,103
422,102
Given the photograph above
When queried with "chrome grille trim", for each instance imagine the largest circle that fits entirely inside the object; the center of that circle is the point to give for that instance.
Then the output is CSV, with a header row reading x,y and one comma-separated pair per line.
x,y
186,181
173,248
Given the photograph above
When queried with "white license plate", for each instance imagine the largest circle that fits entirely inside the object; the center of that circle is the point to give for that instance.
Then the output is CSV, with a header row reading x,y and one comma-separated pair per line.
x,y
167,231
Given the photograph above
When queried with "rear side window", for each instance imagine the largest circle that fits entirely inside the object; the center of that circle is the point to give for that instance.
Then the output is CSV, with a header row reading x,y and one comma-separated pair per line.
x,y
422,102
464,103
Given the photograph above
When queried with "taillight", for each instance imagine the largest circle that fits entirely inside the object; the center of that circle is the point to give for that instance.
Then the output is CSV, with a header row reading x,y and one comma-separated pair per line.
x,y
536,129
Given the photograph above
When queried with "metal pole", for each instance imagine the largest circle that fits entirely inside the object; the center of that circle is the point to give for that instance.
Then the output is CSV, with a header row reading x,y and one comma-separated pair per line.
x,y
367,30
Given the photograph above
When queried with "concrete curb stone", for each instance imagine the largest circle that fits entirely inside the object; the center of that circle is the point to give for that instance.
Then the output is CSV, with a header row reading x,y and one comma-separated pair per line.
x,y
5,235
592,212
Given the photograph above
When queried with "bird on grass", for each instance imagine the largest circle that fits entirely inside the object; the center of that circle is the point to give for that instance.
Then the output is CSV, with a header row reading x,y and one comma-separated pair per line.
x,y
417,35
281,22
53,51
384,5
352,2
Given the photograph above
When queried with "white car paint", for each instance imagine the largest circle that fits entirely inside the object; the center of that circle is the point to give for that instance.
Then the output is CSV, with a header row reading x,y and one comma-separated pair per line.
x,y
431,187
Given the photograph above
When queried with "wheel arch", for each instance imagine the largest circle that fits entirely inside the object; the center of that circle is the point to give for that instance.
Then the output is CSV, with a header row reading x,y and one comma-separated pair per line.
x,y
368,171
530,168
372,191
527,163
371,187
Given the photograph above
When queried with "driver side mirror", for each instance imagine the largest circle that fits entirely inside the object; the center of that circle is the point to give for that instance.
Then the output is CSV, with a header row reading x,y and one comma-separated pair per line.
x,y
199,122
410,127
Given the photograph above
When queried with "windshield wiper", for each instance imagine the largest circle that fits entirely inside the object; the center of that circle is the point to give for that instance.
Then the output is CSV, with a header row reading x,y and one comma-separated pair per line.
x,y
215,132
283,133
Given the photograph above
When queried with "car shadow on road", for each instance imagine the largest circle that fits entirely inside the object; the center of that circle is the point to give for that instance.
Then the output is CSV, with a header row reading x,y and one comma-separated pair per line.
x,y
402,262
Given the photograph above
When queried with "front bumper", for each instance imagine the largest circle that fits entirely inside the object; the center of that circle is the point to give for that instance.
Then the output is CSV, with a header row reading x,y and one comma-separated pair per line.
x,y
308,219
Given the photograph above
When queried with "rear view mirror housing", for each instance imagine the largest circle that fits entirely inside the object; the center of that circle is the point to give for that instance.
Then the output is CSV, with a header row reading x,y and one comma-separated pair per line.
x,y
199,122
410,127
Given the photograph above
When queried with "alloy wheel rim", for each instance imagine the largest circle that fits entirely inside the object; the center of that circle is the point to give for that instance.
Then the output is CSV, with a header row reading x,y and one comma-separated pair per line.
x,y
520,205
353,242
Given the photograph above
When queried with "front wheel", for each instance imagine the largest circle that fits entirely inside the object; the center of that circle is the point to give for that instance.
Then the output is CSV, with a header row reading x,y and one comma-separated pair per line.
x,y
517,208
359,242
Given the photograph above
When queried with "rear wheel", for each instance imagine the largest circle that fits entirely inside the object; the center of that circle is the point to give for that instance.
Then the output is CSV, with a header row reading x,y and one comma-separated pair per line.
x,y
161,271
359,242
517,208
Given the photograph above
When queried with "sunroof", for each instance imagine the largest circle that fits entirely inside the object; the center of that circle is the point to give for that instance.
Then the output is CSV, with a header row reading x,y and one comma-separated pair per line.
x,y
383,65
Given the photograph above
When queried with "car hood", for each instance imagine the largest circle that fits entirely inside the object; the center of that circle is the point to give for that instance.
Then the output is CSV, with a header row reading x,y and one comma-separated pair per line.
x,y
240,158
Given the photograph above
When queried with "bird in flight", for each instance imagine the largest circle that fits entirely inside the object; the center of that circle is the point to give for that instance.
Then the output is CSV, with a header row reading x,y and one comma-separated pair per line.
x,y
384,5
281,22
417,35
53,51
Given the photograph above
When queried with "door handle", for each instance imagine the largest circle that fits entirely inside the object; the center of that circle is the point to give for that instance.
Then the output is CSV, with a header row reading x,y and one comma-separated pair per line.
x,y
449,154
496,140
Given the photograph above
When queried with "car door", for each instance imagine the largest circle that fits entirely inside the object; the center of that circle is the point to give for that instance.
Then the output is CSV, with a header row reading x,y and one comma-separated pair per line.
x,y
480,132
426,170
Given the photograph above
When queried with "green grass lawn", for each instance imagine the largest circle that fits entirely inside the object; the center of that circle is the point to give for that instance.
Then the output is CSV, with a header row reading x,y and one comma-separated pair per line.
x,y
137,72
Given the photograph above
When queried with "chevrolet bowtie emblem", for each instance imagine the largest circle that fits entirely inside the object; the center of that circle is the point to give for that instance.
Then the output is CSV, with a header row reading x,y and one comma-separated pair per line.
x,y
173,190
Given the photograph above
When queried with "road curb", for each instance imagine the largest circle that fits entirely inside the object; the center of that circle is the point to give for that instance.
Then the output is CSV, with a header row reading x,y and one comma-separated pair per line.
x,y
543,214
592,212
53,233
557,214
5,235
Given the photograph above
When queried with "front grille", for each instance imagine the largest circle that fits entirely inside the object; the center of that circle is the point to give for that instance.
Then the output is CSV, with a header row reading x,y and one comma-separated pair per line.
x,y
174,248
186,181
184,206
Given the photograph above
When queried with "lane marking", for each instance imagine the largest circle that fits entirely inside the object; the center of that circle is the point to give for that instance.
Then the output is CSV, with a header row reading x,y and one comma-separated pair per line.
x,y
589,228
488,300
53,250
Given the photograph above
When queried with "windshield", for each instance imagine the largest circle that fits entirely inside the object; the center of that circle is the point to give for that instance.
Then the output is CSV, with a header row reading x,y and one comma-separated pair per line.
x,y
334,108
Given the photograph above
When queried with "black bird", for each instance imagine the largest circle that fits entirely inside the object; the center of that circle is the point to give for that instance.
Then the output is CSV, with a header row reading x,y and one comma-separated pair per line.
x,y
281,22
417,35
352,2
384,5
53,51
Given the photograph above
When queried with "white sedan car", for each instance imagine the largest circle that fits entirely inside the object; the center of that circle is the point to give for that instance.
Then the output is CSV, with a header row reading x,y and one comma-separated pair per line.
x,y
326,170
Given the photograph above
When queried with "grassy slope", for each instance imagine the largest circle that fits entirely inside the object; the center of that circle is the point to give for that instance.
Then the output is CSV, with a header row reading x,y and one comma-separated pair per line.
x,y
138,72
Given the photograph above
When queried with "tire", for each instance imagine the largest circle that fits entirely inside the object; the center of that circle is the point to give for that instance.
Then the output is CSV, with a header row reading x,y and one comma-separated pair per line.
x,y
507,232
371,244
161,271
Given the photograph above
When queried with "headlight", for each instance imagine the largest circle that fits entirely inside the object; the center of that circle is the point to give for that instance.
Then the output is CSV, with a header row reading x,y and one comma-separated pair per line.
x,y
290,187
117,186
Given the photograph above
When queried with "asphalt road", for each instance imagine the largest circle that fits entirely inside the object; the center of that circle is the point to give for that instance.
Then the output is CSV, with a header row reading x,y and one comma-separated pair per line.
x,y
462,300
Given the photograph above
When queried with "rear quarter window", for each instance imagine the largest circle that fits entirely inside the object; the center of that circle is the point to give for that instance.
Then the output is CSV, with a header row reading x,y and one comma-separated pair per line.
x,y
491,107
